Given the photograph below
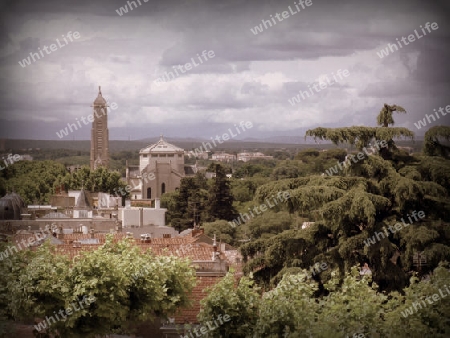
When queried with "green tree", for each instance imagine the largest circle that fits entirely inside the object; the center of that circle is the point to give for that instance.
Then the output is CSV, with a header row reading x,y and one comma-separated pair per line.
x,y
385,117
350,307
286,169
33,180
222,229
99,180
188,205
237,299
220,196
370,196
126,285
434,138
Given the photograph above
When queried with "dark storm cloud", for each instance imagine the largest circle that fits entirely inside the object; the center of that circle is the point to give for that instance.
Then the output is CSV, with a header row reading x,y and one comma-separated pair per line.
x,y
251,77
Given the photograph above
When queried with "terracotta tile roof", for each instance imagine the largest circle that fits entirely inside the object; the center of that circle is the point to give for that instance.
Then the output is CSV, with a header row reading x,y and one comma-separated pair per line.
x,y
178,246
71,252
189,315
69,238
18,238
195,252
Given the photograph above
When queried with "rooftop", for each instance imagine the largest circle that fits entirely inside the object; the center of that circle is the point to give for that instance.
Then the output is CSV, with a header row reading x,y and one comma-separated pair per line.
x,y
161,147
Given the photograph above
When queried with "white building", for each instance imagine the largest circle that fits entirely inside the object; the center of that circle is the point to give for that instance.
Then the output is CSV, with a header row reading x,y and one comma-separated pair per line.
x,y
223,157
247,156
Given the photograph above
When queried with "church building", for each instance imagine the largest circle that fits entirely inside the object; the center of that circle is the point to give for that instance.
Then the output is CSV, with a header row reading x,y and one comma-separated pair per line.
x,y
161,168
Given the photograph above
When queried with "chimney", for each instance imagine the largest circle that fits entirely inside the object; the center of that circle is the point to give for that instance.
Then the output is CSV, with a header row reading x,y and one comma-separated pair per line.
x,y
60,233
196,232
215,253
146,238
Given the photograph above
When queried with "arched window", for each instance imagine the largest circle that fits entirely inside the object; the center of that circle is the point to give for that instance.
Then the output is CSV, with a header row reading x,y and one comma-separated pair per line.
x,y
163,188
149,193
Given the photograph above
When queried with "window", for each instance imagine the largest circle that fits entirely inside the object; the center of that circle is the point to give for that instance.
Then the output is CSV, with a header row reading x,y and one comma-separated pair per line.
x,y
163,188
145,155
149,193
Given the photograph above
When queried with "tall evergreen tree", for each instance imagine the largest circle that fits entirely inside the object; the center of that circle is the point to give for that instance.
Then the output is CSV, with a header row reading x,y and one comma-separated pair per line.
x,y
362,200
220,196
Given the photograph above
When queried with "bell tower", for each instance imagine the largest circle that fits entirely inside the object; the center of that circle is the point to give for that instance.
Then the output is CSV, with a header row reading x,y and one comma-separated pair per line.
x,y
99,134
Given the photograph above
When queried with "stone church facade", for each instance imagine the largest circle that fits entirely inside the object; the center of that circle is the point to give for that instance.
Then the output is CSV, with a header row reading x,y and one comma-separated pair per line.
x,y
161,168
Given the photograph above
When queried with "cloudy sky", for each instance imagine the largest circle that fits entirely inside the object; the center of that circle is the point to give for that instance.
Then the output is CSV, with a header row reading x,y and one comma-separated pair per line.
x,y
251,77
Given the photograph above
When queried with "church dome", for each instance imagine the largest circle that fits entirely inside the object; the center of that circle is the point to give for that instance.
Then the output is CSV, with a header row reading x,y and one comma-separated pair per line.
x,y
10,206
100,100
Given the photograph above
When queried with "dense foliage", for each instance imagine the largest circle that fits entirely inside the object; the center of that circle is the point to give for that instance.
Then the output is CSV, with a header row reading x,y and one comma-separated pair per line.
x,y
434,139
353,305
33,180
128,287
187,206
361,200
99,180
220,199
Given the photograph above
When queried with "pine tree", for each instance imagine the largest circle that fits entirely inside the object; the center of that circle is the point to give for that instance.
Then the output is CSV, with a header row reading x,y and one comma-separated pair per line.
x,y
220,196
362,200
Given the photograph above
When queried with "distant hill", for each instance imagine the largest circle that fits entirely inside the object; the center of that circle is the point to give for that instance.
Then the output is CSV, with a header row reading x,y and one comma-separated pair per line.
x,y
287,142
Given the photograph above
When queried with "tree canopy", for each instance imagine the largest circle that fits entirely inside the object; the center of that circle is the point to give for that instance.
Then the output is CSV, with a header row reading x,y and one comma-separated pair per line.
x,y
126,285
363,199
348,308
